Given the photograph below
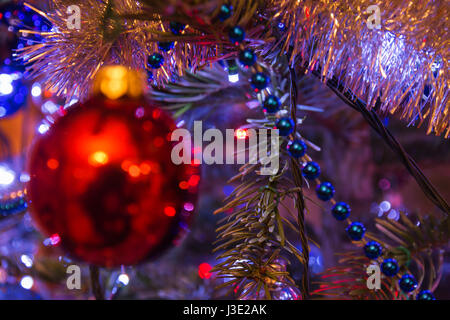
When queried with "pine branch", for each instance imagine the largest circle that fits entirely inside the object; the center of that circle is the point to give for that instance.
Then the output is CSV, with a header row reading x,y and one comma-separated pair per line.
x,y
192,88
298,180
252,238
417,247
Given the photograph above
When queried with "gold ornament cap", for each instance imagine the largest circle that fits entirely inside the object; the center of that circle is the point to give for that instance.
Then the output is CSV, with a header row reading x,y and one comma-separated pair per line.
x,y
115,82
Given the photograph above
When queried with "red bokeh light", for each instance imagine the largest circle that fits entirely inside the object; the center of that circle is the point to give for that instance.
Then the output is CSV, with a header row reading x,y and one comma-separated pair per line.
x,y
204,270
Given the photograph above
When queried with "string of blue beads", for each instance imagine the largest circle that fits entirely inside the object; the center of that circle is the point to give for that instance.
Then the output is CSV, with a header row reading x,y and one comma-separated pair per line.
x,y
297,149
311,171
356,231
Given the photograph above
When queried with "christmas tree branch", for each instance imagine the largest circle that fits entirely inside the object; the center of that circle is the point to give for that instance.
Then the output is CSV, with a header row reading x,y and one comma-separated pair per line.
x,y
298,180
252,237
193,88
415,246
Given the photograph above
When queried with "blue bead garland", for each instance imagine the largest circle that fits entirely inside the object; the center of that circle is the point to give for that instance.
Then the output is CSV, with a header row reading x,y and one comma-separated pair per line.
x,y
247,58
296,148
389,267
271,104
155,61
166,46
311,170
285,126
341,211
225,12
407,283
373,250
356,231
425,295
236,34
259,81
325,191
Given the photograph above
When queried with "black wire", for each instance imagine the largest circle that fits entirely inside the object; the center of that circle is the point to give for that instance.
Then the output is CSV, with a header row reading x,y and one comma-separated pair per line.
x,y
377,125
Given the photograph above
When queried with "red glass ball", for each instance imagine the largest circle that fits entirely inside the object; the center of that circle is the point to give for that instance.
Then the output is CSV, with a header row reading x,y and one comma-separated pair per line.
x,y
102,179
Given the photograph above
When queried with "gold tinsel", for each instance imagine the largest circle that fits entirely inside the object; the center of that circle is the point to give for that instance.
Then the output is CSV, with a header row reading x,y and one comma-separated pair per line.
x,y
400,68
398,62
69,58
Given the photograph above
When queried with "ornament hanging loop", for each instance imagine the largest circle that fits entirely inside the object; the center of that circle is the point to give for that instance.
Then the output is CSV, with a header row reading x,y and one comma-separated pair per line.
x,y
115,82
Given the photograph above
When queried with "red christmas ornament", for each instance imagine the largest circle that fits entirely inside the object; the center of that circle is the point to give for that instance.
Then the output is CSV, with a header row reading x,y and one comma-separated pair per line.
x,y
102,179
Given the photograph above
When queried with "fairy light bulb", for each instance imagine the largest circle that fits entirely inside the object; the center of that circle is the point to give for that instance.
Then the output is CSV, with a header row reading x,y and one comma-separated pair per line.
x,y
233,71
